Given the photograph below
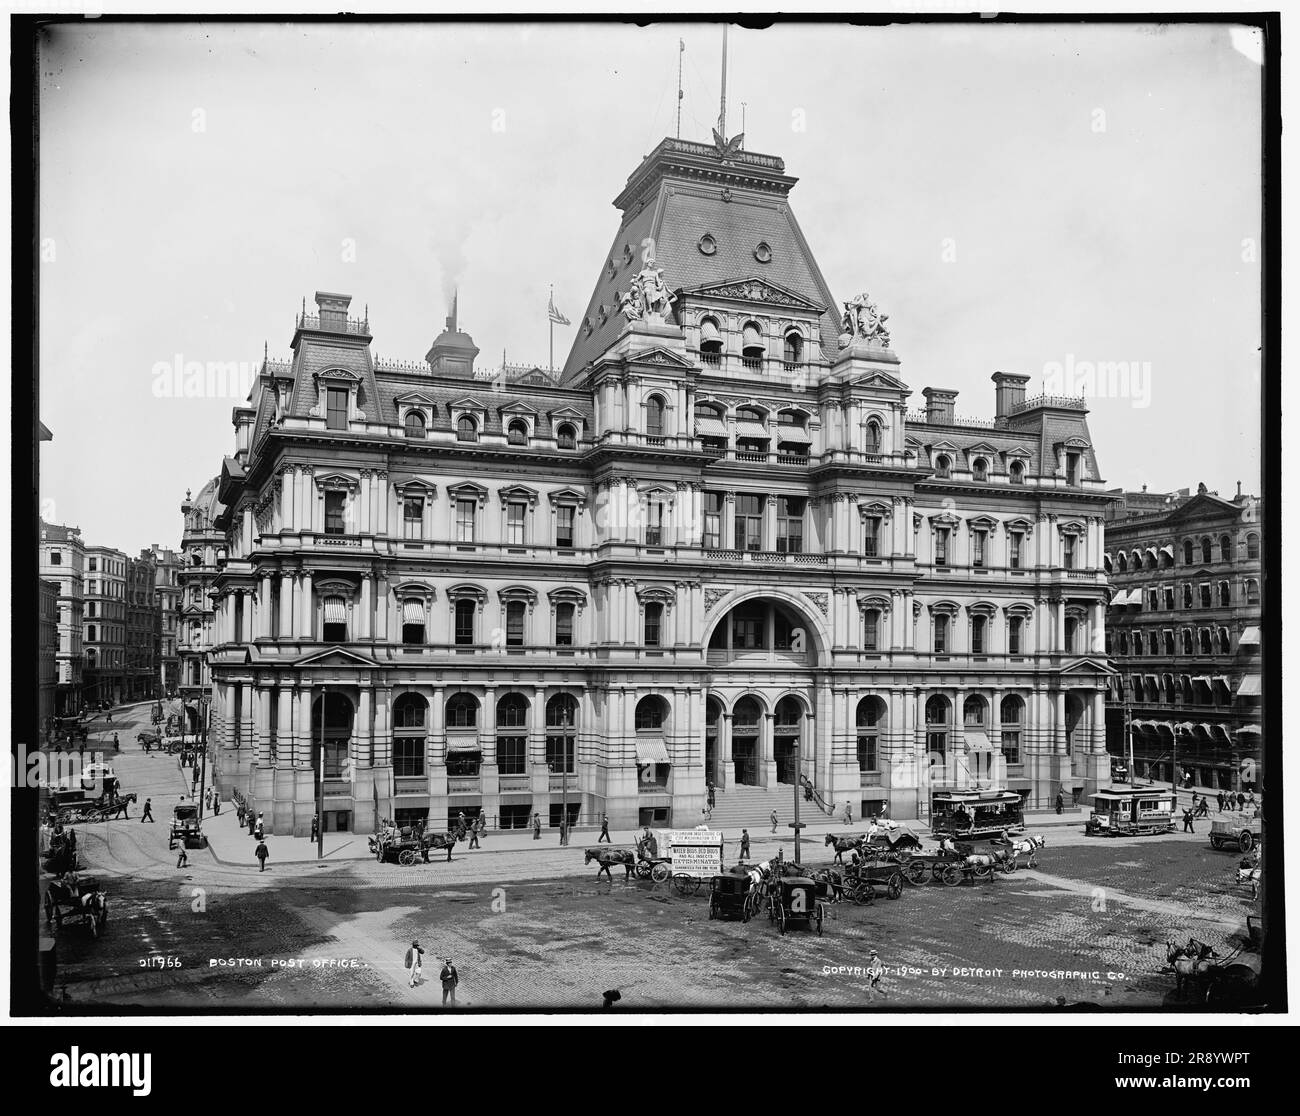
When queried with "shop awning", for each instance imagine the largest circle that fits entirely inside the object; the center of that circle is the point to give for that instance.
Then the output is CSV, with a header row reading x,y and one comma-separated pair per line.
x,y
651,749
1201,678
1206,728
1250,686
1164,726
1221,680
1249,638
413,612
336,610
749,429
1224,732
977,740
463,743
1120,598
709,426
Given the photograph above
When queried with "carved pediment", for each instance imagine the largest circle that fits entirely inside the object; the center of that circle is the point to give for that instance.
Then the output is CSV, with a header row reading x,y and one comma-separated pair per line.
x,y
754,289
413,399
335,657
661,357
876,378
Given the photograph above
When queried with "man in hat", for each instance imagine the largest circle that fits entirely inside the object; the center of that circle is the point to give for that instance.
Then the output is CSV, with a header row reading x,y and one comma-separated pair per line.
x,y
744,844
537,827
147,816
450,978
261,852
604,830
876,971
413,962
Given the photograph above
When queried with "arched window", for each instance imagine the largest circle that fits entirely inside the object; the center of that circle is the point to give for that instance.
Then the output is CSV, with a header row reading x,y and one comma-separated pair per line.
x,y
464,623
870,716
512,712
410,711
938,710
710,341
91,633
414,424
942,465
873,436
975,711
466,429
1225,595
410,715
651,712
1252,547
1207,550
1189,554
981,469
1017,472
1225,548
654,416
512,735
751,345
793,348
561,734
1252,591
562,711
1123,562
517,433
462,711
566,437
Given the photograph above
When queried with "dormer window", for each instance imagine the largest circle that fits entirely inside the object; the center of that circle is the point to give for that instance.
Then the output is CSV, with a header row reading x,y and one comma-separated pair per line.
x,y
1017,472
566,438
336,412
943,466
1071,468
466,429
980,469
517,433
415,425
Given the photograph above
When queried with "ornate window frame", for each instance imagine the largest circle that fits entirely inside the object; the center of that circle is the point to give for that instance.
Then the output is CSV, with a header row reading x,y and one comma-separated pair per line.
x,y
337,378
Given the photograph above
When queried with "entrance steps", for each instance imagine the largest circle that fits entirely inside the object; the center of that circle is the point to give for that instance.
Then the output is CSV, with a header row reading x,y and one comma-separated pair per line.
x,y
751,808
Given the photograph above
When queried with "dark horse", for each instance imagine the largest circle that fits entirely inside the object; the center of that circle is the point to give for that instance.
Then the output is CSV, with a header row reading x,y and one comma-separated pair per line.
x,y
1190,963
843,844
607,857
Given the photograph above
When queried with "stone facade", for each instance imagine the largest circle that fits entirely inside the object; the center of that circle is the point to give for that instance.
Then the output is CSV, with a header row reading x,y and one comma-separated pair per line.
x,y
167,593
203,547
141,629
63,562
104,625
47,647
1184,632
721,548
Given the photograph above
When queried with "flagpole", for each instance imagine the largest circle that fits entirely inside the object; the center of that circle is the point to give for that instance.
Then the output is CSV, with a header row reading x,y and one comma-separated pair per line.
x,y
550,317
723,116
681,43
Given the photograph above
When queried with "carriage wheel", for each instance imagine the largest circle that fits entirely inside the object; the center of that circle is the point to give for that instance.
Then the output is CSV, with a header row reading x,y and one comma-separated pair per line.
x,y
895,889
864,894
641,870
660,872
1009,865
1216,842
951,875
1246,841
682,885
713,910
984,872
406,857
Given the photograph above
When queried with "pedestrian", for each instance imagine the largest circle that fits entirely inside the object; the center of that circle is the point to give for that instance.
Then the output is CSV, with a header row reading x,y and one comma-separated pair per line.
x,y
450,978
773,821
744,844
848,813
564,830
460,823
239,813
1250,800
194,784
1203,810
1218,798
252,823
148,810
315,828
116,746
712,795
183,861
473,834
110,717
876,971
414,963
1241,801
216,804
537,827
604,830
260,832
261,852
1060,802
1187,821
884,811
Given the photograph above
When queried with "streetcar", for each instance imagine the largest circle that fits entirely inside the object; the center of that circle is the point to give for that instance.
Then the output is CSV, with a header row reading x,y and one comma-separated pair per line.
x,y
976,815
1131,811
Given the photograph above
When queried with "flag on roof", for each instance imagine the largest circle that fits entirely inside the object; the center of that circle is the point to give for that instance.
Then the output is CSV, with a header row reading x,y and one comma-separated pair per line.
x,y
554,314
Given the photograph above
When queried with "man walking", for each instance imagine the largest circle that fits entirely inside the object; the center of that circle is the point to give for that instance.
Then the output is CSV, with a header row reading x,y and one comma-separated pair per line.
x,y
564,829
537,827
116,746
473,834
1218,798
848,813
712,795
147,816
413,963
1187,821
450,978
1060,802
773,821
876,971
604,830
744,844
261,852
315,828
194,783
183,861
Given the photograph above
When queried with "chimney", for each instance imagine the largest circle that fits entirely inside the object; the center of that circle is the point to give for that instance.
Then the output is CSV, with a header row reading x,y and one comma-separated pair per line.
x,y
1144,488
333,309
1010,391
1239,492
939,405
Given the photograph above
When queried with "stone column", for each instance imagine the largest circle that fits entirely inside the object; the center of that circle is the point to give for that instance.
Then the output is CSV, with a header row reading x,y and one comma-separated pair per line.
x,y
537,729
365,608
382,734
727,776
264,608
766,753
287,522
1098,742
306,619
1057,700
364,738
286,606
303,743
284,743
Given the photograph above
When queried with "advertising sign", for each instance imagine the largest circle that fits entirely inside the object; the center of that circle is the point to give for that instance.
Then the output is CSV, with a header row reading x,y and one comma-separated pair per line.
x,y
697,852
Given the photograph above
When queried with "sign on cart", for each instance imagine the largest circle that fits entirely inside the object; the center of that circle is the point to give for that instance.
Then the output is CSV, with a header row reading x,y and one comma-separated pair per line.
x,y
696,852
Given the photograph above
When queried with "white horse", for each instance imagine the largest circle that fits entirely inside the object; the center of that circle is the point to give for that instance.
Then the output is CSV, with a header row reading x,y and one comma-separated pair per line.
x,y
1251,876
1030,844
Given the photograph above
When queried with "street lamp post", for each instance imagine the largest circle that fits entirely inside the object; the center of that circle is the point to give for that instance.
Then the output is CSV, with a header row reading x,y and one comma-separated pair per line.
x,y
203,770
796,825
320,782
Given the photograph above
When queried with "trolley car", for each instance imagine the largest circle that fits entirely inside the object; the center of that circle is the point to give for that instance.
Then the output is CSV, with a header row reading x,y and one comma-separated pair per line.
x,y
976,815
1131,811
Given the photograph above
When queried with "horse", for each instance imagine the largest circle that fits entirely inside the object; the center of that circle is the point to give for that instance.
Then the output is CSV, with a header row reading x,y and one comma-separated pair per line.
x,y
1189,963
843,845
1029,844
994,858
1247,873
606,857
120,806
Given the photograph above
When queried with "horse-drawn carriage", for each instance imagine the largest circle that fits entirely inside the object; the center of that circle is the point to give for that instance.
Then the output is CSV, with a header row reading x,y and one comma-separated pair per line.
x,y
793,902
69,899
1213,978
186,827
1240,830
955,861
880,842
737,892
863,878
407,845
76,807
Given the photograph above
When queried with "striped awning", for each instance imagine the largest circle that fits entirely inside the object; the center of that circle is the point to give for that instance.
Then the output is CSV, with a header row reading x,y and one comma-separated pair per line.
x,y
1250,686
1249,637
977,740
749,429
709,426
463,743
413,612
336,610
1168,552
1248,728
651,749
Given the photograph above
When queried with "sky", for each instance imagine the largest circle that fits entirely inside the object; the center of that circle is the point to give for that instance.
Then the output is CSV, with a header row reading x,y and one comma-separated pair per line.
x,y
1028,199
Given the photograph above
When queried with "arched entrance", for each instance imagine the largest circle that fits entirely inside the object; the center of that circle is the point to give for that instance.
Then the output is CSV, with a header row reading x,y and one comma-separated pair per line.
x,y
329,745
746,719
787,728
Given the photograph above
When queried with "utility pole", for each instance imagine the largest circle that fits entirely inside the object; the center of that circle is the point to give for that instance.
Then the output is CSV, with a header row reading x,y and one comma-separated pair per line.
x,y
320,783
796,825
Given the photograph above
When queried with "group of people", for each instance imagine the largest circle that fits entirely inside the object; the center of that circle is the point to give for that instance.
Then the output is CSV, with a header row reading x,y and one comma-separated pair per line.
x,y
448,977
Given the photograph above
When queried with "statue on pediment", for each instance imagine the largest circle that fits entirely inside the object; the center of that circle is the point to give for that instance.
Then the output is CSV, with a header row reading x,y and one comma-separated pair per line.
x,y
864,323
648,299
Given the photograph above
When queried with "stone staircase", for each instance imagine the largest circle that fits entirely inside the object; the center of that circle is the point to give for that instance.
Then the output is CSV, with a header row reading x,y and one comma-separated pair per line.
x,y
751,807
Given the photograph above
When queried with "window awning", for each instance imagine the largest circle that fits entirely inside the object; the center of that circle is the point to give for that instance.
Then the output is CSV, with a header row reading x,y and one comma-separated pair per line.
x,y
651,749
1223,731
1249,638
709,330
1248,728
463,744
794,434
412,612
1221,680
1152,679
747,428
1201,678
977,740
1250,686
1120,598
709,426
1206,728
750,337
1168,552
336,610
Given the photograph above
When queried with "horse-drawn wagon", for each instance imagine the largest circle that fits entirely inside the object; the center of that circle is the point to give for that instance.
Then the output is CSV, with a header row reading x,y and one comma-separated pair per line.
x,y
70,899
1239,830
955,861
76,807
186,827
735,893
794,903
1131,812
406,845
863,878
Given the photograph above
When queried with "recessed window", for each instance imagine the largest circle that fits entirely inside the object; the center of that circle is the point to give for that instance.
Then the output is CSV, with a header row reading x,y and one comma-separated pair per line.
x,y
749,522
93,566
334,622
712,520
654,417
335,504
1015,544
517,433
1188,552
465,513
763,252
566,437
336,413
789,524
707,244
941,538
654,615
1017,472
871,536
1252,591
793,348
415,426
873,436
462,711
980,469
942,465
1252,547
56,558
516,519
978,627
466,429
1015,634
979,542
1068,544
464,623
564,525
940,635
650,713
515,614
413,517
871,630
564,625
710,341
